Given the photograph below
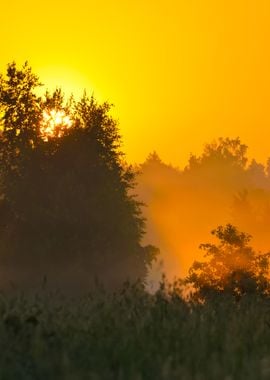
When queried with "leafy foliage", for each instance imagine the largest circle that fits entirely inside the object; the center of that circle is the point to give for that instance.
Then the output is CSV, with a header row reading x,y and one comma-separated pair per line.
x,y
229,151
233,268
66,208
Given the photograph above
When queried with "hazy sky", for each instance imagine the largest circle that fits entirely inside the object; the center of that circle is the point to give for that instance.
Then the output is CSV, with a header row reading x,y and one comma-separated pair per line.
x,y
180,72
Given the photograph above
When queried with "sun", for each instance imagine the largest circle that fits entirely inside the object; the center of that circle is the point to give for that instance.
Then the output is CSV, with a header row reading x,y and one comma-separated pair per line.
x,y
54,123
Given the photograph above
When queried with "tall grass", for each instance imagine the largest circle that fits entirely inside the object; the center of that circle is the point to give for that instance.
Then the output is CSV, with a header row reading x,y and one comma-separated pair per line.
x,y
133,335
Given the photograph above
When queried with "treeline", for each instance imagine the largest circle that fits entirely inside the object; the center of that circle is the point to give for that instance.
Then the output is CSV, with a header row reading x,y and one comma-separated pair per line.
x,y
70,215
220,186
66,214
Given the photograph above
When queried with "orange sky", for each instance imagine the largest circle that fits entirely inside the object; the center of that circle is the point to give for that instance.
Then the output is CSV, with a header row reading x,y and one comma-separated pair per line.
x,y
180,72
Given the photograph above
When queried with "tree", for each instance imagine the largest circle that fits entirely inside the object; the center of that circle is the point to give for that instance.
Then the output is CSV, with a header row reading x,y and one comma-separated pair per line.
x,y
221,169
225,150
233,267
67,212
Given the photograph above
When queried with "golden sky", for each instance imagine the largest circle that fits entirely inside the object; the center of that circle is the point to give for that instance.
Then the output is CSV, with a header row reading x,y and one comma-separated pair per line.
x,y
179,72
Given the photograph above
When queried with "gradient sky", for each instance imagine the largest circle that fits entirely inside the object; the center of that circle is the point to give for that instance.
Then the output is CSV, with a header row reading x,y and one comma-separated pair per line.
x,y
179,72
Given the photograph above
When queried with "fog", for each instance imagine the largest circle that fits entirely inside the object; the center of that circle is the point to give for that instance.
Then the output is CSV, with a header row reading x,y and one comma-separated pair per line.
x,y
182,206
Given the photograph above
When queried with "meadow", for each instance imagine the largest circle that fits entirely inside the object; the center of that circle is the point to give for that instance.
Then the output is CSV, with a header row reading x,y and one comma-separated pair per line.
x,y
133,335
69,214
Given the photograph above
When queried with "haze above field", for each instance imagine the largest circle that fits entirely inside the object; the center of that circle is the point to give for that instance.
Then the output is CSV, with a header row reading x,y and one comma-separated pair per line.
x,y
180,73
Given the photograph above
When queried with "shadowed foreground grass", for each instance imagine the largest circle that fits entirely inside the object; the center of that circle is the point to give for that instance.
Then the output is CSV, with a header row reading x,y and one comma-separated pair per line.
x,y
133,335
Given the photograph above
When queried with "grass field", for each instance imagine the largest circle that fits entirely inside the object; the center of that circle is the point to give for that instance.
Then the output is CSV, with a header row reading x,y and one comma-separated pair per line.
x,y
133,335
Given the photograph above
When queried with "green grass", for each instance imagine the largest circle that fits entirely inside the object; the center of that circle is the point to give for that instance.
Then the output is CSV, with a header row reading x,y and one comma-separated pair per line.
x,y
133,335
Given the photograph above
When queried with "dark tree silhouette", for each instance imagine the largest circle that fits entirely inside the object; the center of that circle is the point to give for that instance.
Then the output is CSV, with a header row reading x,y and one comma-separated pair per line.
x,y
226,150
233,267
66,208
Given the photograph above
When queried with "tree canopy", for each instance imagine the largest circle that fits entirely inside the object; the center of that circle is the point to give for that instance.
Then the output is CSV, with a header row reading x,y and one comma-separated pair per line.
x,y
233,267
66,210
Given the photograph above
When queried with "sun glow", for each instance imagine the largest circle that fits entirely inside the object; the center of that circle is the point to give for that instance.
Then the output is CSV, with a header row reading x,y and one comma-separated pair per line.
x,y
54,123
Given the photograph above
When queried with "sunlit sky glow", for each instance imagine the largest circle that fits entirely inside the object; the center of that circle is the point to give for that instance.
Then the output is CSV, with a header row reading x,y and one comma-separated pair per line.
x,y
179,72
54,123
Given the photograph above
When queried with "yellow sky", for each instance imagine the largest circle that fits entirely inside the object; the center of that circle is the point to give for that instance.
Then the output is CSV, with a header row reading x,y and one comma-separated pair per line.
x,y
180,72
